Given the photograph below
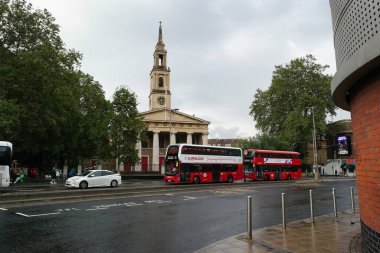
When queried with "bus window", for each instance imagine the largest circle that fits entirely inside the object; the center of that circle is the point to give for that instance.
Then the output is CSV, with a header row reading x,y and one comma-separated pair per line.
x,y
171,168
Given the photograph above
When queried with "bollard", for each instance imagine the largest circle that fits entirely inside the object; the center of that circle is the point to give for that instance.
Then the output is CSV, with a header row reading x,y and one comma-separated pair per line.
x,y
352,200
334,200
283,211
249,217
311,206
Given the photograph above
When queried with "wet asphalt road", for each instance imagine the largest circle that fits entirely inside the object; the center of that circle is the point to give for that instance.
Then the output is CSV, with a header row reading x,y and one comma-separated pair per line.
x,y
181,222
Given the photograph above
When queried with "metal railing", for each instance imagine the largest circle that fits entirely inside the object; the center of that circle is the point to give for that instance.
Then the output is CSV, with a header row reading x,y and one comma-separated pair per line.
x,y
283,209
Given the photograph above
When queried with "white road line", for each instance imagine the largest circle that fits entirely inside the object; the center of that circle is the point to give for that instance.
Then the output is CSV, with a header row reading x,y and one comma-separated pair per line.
x,y
189,198
25,215
95,209
36,215
4,209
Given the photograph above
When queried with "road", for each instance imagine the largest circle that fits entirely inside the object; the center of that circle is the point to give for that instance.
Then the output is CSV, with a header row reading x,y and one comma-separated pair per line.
x,y
170,222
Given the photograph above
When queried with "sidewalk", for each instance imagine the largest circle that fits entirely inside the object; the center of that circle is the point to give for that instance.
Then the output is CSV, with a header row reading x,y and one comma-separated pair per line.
x,y
326,234
41,184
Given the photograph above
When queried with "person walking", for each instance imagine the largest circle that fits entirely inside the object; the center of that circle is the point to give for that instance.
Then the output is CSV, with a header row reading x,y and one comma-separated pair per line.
x,y
72,172
20,176
54,175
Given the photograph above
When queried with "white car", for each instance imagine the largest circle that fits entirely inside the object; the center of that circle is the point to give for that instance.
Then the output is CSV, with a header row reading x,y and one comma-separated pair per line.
x,y
94,178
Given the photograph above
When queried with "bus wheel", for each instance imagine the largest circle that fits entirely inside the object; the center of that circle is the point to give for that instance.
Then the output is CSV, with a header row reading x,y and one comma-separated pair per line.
x,y
230,179
289,177
196,180
266,178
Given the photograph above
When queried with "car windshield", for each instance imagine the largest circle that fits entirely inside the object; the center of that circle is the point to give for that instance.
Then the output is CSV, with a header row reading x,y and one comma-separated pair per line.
x,y
85,173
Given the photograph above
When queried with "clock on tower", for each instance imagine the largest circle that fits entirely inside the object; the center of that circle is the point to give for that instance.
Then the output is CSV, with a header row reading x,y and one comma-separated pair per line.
x,y
161,100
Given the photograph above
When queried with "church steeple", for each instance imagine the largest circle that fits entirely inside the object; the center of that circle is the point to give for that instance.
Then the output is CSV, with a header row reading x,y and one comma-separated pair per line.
x,y
160,41
160,51
159,77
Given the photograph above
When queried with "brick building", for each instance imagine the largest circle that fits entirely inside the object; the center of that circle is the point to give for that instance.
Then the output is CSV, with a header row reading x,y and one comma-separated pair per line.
x,y
356,88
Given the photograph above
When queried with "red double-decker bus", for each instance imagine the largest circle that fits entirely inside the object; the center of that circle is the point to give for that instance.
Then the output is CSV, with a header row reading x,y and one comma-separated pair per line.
x,y
187,163
271,164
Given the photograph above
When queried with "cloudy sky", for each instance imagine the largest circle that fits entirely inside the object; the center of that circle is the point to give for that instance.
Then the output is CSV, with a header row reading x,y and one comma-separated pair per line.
x,y
219,51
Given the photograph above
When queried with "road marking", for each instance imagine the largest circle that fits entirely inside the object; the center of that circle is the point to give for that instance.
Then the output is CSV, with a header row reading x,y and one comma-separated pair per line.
x,y
96,209
25,215
231,191
4,209
36,215
192,198
158,201
103,207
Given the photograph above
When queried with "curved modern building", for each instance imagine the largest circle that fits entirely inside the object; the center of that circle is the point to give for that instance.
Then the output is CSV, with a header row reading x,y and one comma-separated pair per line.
x,y
356,88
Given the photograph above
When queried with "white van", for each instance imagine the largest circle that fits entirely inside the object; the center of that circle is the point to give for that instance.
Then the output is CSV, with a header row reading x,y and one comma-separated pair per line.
x,y
5,163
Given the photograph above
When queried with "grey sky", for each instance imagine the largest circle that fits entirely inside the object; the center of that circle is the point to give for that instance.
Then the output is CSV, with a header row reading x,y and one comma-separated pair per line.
x,y
219,51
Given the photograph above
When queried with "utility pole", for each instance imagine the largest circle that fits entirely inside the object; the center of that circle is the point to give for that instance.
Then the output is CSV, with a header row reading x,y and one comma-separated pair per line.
x,y
315,151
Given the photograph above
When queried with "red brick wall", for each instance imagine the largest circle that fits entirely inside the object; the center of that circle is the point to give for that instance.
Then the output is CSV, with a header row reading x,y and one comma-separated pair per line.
x,y
365,114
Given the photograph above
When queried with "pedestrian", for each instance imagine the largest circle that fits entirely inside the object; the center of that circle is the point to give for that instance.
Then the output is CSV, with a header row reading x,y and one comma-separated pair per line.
x,y
14,172
54,173
72,172
336,173
20,177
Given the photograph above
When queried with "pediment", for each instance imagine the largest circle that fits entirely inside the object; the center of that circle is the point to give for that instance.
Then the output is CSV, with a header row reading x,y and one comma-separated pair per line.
x,y
165,115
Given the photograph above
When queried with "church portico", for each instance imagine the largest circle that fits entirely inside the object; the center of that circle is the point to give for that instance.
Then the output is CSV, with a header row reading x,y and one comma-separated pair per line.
x,y
183,128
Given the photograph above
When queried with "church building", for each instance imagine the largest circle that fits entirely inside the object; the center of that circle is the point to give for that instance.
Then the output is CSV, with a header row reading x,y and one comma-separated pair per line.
x,y
166,125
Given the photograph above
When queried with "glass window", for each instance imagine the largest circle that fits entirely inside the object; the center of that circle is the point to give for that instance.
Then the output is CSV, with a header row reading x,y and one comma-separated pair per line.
x,y
5,156
160,82
96,174
106,173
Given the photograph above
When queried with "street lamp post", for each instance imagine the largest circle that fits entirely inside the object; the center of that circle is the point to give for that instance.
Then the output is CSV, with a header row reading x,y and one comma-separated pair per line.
x,y
170,119
315,151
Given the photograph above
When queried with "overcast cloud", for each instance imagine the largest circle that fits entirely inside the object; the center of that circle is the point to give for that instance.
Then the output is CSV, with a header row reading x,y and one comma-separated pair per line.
x,y
219,51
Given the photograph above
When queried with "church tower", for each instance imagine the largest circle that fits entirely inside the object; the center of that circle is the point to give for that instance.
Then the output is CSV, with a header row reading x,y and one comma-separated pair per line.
x,y
160,96
165,125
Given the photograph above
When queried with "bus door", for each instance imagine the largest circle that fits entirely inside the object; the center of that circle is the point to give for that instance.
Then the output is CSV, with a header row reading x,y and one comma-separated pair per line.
x,y
215,173
185,173
260,173
278,173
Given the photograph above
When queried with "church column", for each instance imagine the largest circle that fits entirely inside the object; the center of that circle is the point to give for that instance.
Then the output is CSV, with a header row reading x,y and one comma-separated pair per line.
x,y
156,151
189,138
138,147
172,138
205,139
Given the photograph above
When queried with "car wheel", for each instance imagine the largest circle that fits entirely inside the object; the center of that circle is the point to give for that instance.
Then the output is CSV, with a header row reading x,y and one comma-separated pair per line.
x,y
114,183
83,185
230,179
196,180
266,178
289,177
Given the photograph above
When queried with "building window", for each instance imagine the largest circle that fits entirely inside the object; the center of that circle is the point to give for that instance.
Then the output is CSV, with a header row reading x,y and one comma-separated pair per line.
x,y
160,82
162,143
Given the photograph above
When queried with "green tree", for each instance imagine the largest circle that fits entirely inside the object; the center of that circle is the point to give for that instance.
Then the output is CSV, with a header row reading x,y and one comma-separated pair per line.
x,y
95,120
9,119
127,127
265,141
284,109
39,79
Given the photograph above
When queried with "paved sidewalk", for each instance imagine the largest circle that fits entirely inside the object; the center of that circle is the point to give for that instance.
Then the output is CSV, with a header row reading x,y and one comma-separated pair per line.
x,y
326,234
